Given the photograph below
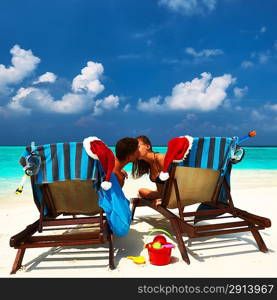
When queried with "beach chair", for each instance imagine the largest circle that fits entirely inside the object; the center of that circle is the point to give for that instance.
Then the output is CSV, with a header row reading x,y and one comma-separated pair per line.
x,y
65,193
204,178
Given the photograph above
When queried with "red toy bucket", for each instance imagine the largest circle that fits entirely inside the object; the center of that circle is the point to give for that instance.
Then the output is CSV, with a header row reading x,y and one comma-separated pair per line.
x,y
159,250
159,257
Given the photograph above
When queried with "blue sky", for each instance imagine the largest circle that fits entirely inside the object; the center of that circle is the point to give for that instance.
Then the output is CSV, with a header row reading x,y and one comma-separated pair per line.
x,y
162,68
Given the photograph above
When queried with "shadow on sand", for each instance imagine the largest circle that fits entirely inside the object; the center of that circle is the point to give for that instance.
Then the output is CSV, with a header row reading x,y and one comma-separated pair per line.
x,y
133,244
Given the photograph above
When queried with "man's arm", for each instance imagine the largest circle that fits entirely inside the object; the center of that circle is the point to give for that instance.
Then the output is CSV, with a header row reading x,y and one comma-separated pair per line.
x,y
119,172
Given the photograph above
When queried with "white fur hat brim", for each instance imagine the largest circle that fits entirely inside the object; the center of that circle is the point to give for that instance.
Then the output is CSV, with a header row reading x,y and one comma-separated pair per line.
x,y
86,144
164,176
106,185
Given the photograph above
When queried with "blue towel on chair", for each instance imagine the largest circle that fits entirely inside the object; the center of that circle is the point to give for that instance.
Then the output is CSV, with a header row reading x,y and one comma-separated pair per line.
x,y
116,207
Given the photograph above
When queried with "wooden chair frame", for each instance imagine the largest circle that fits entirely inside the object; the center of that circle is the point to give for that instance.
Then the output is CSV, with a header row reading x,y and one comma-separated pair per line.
x,y
26,239
249,222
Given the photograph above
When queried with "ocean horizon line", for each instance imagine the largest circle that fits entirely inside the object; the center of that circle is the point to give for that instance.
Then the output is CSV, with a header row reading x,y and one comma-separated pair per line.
x,y
249,146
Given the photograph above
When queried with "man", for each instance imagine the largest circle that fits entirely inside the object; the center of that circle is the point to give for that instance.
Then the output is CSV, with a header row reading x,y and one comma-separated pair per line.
x,y
126,151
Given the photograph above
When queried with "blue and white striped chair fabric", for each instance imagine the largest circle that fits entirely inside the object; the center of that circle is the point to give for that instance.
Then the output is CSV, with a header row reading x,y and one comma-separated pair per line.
x,y
64,161
212,153
61,162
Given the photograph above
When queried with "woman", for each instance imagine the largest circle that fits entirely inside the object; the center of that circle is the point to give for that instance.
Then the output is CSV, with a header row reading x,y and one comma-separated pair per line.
x,y
151,163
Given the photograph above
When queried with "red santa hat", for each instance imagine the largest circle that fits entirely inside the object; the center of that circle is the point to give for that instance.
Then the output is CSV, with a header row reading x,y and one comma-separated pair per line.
x,y
177,150
97,149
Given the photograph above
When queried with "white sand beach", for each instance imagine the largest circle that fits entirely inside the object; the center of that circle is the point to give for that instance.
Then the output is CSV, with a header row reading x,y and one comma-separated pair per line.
x,y
234,255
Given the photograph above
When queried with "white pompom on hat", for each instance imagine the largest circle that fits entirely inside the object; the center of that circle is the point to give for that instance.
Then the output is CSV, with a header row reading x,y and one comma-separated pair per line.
x,y
97,149
177,150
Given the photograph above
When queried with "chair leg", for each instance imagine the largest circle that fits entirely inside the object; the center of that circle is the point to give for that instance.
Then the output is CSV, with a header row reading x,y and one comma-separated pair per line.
x,y
18,260
259,240
111,250
134,208
180,241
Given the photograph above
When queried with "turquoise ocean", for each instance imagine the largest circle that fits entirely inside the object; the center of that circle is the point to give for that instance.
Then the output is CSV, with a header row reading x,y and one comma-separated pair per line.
x,y
260,158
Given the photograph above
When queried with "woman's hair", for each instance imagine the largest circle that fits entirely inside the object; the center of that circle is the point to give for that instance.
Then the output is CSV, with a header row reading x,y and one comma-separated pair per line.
x,y
140,166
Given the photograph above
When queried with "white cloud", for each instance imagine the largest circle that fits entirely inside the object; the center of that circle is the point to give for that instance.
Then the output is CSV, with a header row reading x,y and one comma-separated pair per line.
x,y
88,80
72,104
240,92
28,99
204,52
107,103
127,107
188,121
191,116
152,105
129,56
256,115
271,106
83,100
146,33
263,29
265,117
16,103
202,94
263,57
46,77
22,93
247,64
171,61
258,57
80,98
189,7
23,62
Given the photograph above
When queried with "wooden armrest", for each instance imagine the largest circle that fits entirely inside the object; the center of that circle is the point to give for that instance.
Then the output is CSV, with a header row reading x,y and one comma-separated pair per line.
x,y
24,234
